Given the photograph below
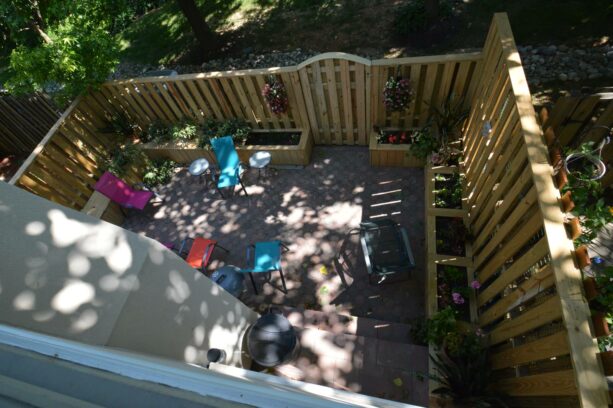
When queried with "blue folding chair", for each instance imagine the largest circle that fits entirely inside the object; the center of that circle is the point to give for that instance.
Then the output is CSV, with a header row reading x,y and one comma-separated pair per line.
x,y
266,258
229,164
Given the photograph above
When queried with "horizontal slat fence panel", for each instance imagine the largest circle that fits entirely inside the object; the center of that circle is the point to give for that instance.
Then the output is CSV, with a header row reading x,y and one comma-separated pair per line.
x,y
24,121
530,301
577,119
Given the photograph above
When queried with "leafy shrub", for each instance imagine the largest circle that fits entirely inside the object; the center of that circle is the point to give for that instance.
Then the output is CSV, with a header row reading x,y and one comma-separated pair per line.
x,y
158,172
119,125
184,131
439,326
237,128
121,159
412,16
157,132
424,143
449,195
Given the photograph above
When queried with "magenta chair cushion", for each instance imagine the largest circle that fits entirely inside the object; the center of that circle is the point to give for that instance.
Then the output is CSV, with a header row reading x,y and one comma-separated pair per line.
x,y
121,193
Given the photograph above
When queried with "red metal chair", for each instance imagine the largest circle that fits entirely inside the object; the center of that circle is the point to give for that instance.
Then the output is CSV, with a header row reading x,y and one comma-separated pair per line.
x,y
199,253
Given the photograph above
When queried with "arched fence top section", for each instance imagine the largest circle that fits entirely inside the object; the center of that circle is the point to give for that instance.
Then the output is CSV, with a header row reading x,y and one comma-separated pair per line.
x,y
334,55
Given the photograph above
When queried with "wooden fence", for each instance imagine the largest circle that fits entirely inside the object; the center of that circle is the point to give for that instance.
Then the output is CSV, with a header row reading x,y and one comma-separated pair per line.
x,y
531,301
339,95
577,119
334,94
24,120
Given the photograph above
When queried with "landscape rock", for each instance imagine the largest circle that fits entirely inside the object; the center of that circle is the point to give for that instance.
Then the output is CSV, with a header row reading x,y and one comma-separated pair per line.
x,y
542,63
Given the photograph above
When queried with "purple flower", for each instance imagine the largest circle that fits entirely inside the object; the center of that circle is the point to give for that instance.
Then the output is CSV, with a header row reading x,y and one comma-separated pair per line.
x,y
457,298
475,284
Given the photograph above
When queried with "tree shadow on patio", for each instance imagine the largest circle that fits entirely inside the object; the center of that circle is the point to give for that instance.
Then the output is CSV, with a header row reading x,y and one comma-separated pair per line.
x,y
311,210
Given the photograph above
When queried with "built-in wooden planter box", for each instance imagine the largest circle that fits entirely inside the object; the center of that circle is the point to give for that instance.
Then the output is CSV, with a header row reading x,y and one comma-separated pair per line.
x,y
392,155
299,155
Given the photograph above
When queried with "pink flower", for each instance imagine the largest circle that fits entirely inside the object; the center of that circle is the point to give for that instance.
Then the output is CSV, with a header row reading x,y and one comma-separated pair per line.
x,y
457,298
479,333
475,284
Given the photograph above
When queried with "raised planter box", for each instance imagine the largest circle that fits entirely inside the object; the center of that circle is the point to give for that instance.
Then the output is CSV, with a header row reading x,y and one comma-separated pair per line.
x,y
299,155
392,155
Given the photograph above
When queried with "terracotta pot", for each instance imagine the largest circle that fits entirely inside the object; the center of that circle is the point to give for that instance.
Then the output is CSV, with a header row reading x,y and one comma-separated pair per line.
x,y
567,202
555,156
561,178
573,228
607,362
550,137
583,259
591,290
601,327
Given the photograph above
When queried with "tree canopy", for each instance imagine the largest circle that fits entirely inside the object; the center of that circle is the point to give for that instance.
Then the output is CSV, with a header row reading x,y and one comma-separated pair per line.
x,y
63,45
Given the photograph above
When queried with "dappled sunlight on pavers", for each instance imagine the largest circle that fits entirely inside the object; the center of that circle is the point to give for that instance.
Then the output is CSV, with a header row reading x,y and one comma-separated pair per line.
x,y
312,210
316,211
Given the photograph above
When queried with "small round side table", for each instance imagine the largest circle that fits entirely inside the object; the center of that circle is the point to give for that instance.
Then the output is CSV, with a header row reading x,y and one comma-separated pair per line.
x,y
260,161
199,167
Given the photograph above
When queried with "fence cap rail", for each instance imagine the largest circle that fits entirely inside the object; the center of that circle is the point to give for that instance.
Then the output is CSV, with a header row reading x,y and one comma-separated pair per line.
x,y
469,56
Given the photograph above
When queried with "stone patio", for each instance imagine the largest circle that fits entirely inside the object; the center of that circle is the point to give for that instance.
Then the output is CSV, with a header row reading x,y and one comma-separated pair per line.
x,y
314,210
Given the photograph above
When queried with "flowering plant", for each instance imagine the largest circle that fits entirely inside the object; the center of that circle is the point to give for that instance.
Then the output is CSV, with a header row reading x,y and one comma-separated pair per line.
x,y
276,96
397,94
395,137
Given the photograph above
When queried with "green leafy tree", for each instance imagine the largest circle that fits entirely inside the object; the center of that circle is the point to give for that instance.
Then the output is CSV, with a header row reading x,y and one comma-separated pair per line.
x,y
59,44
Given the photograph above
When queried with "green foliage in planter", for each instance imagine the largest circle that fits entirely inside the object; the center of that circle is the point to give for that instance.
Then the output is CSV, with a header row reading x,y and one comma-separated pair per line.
x,y
121,158
237,128
424,143
604,282
448,118
160,133
606,343
450,195
184,131
435,330
465,377
119,125
158,172
157,132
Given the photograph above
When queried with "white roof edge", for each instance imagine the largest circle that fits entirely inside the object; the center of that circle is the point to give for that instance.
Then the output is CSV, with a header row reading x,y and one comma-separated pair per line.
x,y
229,383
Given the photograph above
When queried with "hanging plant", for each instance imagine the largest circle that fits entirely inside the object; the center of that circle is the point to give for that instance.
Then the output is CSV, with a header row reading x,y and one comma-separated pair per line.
x,y
276,96
397,94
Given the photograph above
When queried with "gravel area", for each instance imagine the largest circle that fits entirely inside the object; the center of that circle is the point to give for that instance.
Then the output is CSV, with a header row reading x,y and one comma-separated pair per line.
x,y
542,63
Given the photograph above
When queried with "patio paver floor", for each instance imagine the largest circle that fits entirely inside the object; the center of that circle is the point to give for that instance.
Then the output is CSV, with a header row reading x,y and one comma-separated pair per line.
x,y
313,211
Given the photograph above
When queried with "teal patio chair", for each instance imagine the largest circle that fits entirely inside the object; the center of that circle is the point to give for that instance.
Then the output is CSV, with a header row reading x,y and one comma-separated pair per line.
x,y
266,258
228,162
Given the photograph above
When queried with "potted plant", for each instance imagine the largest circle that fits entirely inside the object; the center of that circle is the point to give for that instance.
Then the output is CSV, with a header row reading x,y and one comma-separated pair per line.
x,y
447,120
463,371
397,148
567,202
397,94
275,95
582,256
602,304
584,163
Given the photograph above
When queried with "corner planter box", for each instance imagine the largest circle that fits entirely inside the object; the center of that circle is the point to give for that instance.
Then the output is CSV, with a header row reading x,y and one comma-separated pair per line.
x,y
298,155
392,155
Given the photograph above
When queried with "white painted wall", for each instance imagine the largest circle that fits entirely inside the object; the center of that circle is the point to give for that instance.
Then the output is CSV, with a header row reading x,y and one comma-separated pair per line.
x,y
66,274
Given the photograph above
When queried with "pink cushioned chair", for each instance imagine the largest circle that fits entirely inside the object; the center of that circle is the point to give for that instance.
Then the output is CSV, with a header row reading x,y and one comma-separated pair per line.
x,y
121,193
